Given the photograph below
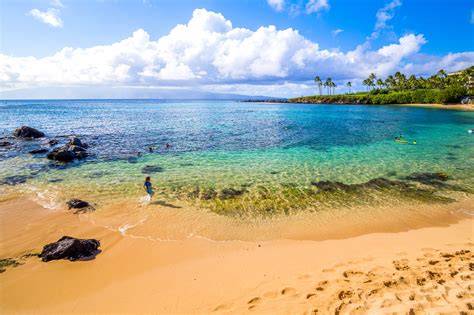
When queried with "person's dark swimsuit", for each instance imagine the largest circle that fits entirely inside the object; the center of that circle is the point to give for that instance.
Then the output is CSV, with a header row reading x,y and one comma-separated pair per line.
x,y
148,188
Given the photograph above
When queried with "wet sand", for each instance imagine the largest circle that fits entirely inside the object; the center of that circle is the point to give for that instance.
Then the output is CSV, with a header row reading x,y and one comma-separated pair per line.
x,y
413,267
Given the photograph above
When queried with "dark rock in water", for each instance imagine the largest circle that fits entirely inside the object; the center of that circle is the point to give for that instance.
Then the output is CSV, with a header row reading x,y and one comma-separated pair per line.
x,y
71,248
79,204
152,169
274,172
428,178
75,149
55,180
77,142
376,184
26,132
14,180
62,155
38,151
326,185
228,193
5,144
132,159
53,142
208,194
392,173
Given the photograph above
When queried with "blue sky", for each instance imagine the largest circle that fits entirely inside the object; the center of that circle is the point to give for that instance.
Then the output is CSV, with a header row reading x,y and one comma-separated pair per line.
x,y
233,47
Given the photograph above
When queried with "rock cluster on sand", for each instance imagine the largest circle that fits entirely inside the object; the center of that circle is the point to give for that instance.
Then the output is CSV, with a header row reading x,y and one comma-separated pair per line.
x,y
70,248
74,149
25,132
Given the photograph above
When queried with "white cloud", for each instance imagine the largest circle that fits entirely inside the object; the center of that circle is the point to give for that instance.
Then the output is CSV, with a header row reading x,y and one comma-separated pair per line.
x,y
313,6
337,32
57,3
209,52
277,5
384,15
50,16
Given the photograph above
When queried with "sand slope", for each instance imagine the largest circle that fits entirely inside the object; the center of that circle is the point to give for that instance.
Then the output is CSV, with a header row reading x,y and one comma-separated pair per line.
x,y
418,271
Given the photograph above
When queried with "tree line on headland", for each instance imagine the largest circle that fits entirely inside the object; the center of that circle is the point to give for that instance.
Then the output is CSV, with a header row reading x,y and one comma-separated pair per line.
x,y
441,88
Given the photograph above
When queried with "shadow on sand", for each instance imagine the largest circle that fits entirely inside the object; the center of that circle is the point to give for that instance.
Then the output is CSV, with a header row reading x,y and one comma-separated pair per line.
x,y
164,204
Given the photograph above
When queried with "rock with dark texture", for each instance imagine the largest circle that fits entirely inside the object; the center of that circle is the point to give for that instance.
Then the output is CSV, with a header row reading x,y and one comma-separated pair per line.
x,y
428,178
38,151
14,180
77,142
71,248
228,193
62,155
79,205
5,144
53,142
152,169
326,185
25,132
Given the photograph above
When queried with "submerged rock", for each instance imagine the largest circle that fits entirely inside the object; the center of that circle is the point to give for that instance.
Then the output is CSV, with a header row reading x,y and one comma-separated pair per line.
x,y
53,142
25,132
152,169
5,144
38,151
428,178
376,184
80,205
77,142
14,180
71,248
228,193
208,194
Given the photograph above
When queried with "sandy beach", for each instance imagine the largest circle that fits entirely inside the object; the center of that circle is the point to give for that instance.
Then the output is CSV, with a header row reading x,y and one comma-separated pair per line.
x,y
426,269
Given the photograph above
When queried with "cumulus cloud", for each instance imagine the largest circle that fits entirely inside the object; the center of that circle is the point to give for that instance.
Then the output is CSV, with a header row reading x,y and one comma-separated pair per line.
x,y
313,6
210,51
50,16
278,5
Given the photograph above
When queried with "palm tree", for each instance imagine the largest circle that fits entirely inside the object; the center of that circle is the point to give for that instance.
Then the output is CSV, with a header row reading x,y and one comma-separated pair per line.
x,y
328,84
319,83
400,80
349,86
333,85
370,80
366,83
380,83
390,82
412,82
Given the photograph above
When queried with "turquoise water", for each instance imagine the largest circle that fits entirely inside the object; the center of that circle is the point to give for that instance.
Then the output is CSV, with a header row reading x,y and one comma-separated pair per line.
x,y
269,154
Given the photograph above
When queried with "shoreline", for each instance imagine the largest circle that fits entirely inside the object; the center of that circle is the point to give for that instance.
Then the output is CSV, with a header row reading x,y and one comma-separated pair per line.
x,y
458,107
201,276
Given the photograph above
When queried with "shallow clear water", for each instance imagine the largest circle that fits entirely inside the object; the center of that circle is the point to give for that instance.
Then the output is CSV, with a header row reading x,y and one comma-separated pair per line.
x,y
280,148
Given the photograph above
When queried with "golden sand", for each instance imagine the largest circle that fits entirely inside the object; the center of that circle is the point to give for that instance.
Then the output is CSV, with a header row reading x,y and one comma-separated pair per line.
x,y
419,265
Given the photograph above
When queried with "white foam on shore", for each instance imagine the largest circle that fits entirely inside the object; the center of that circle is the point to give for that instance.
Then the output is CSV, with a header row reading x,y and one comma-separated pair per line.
x,y
45,198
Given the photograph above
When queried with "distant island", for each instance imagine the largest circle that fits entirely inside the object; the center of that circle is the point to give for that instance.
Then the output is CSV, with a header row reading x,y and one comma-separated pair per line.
x,y
440,88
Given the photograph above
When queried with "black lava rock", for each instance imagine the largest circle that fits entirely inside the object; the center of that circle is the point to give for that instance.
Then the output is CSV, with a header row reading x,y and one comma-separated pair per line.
x,y
71,248
25,132
78,204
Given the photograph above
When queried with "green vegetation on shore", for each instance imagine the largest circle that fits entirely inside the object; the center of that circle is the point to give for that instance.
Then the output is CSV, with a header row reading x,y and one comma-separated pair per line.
x,y
441,88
